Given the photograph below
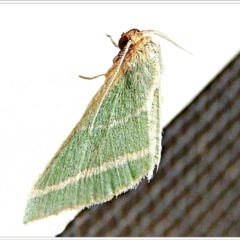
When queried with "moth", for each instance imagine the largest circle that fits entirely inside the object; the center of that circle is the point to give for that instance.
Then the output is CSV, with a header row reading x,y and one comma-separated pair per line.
x,y
116,143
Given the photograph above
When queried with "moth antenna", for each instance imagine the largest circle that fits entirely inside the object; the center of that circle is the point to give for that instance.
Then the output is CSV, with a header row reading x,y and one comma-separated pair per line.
x,y
123,53
167,38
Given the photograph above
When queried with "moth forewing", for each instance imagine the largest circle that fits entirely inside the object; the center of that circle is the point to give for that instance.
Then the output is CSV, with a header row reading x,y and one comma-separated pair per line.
x,y
117,141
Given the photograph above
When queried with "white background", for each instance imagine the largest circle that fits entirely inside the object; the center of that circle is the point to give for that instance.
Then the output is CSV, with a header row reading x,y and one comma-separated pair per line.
x,y
43,49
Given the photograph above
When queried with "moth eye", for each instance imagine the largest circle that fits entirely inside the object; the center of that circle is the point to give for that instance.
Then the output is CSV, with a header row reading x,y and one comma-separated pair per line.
x,y
123,41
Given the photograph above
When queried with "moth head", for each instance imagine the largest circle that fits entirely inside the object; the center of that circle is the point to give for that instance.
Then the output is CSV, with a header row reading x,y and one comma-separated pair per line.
x,y
125,37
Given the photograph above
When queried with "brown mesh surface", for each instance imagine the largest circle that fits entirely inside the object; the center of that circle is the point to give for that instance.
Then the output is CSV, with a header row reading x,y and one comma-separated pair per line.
x,y
196,190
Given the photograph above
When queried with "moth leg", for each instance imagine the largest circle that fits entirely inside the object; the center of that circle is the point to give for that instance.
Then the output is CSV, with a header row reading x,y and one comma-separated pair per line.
x,y
112,40
90,78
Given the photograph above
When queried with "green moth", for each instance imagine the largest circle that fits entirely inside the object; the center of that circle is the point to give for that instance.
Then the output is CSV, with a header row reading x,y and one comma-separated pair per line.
x,y
117,142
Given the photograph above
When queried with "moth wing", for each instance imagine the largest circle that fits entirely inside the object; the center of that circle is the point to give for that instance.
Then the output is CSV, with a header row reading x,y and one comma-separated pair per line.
x,y
95,164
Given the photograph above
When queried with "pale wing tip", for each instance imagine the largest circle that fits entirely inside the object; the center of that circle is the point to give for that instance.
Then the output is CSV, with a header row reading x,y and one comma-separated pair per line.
x,y
28,217
31,214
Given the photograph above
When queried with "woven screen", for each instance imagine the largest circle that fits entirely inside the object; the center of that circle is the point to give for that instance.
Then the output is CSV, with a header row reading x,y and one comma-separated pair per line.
x,y
196,190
